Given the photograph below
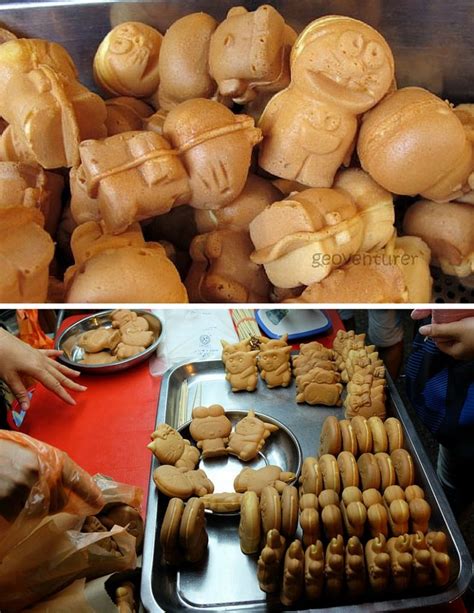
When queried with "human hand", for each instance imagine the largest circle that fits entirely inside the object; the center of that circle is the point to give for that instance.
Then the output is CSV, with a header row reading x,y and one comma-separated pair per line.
x,y
27,464
455,339
17,358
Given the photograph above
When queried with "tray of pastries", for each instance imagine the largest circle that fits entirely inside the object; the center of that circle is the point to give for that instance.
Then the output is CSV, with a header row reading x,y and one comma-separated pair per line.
x,y
232,524
110,341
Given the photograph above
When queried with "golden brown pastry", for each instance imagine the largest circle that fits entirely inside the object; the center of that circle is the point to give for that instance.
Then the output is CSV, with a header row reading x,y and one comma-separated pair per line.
x,y
184,61
32,187
249,526
355,567
349,283
399,550
254,480
48,110
169,447
314,571
422,565
124,351
249,53
354,513
125,114
309,522
394,430
349,439
231,348
379,434
330,472
223,502
97,340
289,511
447,229
126,62
312,393
270,509
369,471
210,428
257,194
249,436
102,357
331,519
169,533
374,204
215,147
334,567
26,251
348,469
192,531
436,158
377,519
398,511
134,175
300,240
293,574
330,440
378,564
363,434
332,62
403,464
181,482
388,476
222,271
275,367
420,513
270,561
440,560
311,478
127,273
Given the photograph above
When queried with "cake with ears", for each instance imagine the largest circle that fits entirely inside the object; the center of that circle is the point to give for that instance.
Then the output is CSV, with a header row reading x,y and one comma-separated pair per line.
x,y
309,127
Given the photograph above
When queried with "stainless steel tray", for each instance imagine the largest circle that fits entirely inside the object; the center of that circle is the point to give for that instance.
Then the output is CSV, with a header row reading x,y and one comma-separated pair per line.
x,y
67,341
281,449
226,579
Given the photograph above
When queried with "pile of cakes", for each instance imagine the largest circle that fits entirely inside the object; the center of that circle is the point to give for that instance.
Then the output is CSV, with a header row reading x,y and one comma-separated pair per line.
x,y
130,335
245,359
244,128
356,525
317,376
364,374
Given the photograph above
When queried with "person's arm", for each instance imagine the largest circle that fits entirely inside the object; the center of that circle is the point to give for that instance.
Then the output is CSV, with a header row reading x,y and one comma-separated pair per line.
x,y
17,358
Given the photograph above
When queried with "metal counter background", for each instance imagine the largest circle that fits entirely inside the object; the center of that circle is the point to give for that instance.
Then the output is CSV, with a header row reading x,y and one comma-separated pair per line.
x,y
432,40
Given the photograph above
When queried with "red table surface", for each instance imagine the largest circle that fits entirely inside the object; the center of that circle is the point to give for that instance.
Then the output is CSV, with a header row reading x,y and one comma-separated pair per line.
x,y
109,428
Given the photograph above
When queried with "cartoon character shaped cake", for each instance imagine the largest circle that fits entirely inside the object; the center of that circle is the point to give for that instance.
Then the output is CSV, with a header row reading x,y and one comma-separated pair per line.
x,y
340,68
249,53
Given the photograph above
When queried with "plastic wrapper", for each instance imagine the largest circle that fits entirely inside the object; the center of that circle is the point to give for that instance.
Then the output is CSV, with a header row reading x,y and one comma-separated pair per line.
x,y
30,331
42,549
56,553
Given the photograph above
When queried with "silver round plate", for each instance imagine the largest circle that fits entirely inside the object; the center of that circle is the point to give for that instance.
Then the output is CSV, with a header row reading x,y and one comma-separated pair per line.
x,y
281,449
73,354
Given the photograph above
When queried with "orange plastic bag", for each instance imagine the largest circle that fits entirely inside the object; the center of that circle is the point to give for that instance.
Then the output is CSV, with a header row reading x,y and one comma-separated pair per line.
x,y
41,547
61,485
30,331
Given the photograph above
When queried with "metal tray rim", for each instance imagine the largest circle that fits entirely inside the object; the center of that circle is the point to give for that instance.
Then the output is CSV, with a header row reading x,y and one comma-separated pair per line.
x,y
114,366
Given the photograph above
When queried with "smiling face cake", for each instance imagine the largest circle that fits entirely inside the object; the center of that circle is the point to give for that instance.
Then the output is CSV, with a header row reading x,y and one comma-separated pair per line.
x,y
126,62
340,68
